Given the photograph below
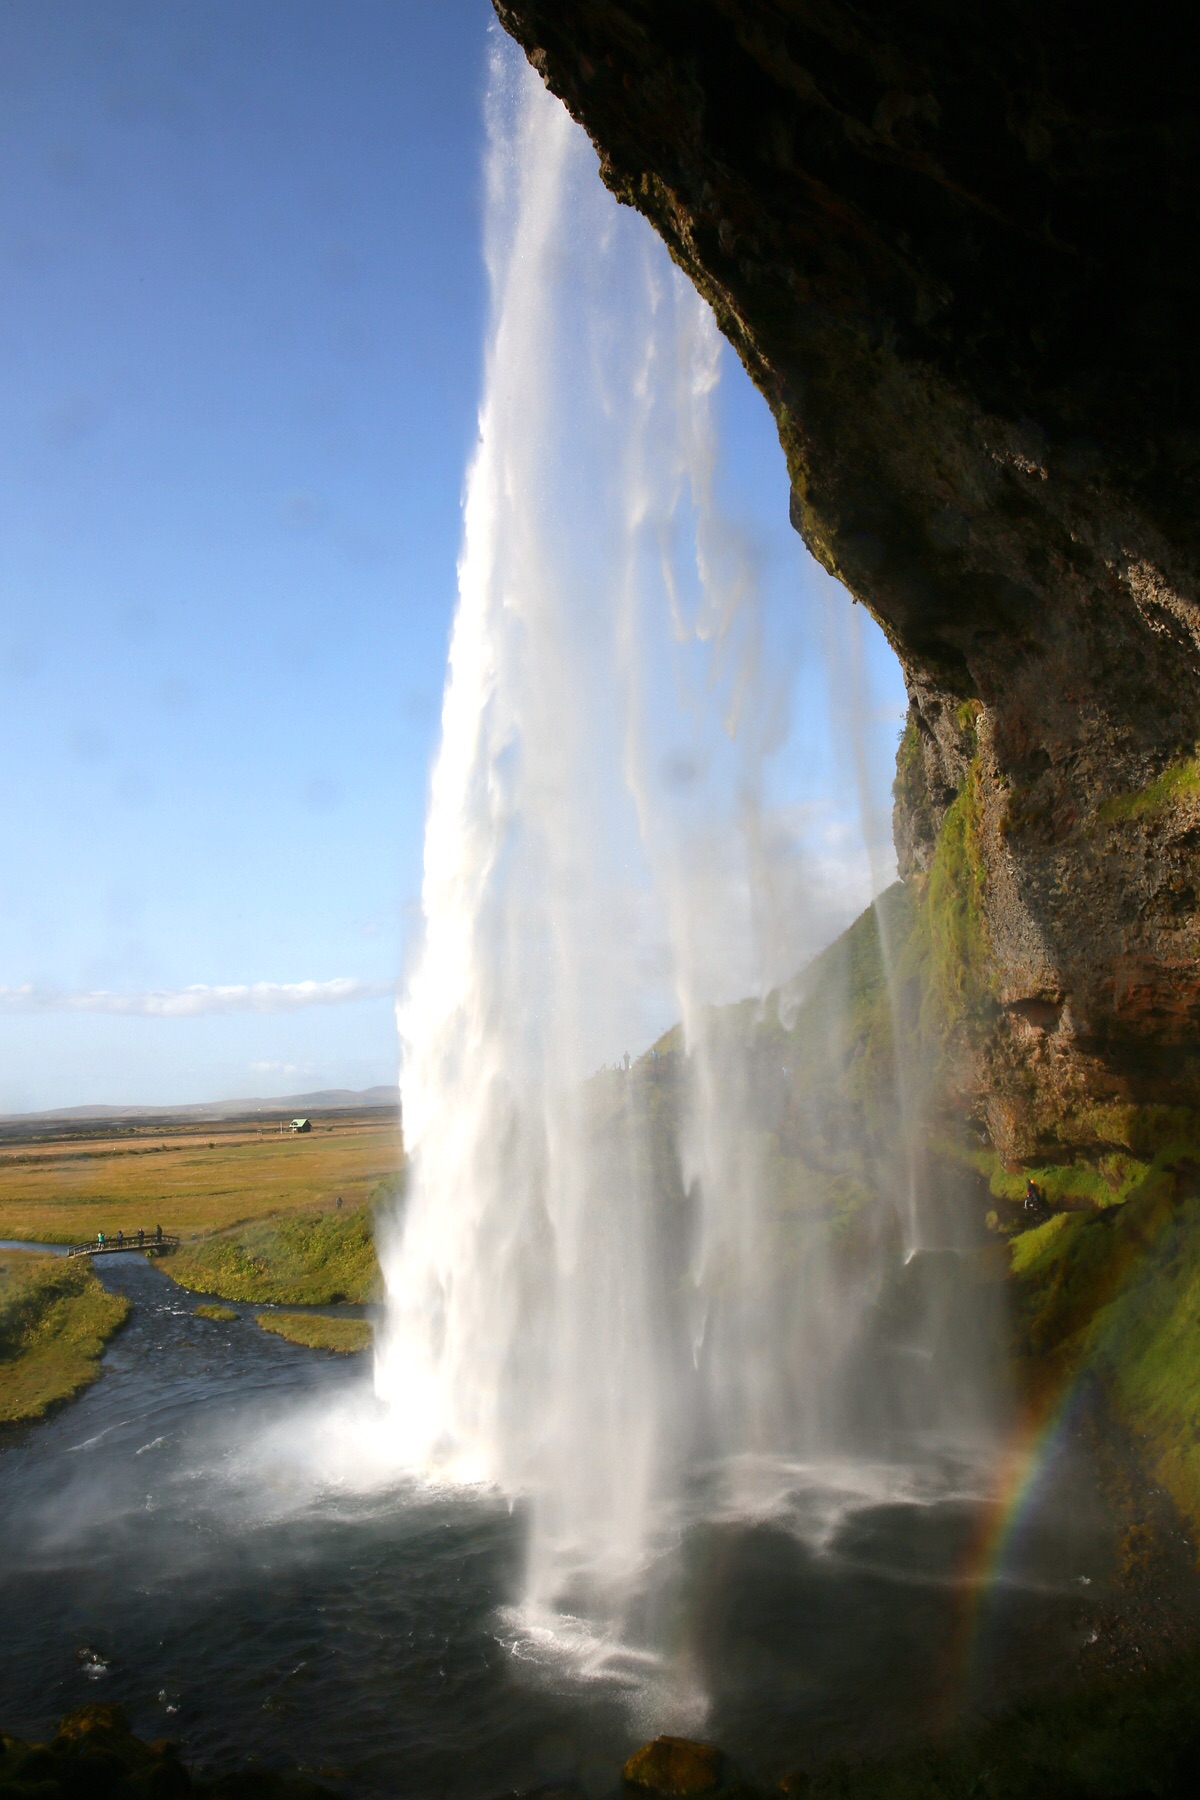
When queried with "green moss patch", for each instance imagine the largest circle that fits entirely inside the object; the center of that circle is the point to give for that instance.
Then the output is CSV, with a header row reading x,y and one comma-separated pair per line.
x,y
1117,1293
1178,782
1080,1184
318,1332
908,788
960,949
214,1312
1032,1249
1072,1267
1147,1340
314,1259
55,1319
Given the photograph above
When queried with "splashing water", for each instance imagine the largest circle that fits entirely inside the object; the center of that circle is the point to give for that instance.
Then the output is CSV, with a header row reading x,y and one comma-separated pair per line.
x,y
585,1299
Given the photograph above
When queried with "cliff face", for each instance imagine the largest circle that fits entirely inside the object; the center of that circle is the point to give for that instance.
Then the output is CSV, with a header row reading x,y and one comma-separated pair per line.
x,y
955,248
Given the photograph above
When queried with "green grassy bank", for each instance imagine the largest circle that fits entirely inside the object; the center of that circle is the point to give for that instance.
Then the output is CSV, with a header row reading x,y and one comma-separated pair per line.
x,y
1116,1293
55,1319
313,1259
316,1331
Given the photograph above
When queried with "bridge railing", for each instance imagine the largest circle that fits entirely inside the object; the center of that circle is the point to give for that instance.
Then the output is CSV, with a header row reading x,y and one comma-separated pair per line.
x,y
129,1241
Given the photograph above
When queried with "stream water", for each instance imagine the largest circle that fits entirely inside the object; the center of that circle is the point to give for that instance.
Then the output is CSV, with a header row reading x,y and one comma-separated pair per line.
x,y
183,1539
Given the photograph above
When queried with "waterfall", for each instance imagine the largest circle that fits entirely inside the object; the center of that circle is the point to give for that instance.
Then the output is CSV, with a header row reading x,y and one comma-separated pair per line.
x,y
586,1299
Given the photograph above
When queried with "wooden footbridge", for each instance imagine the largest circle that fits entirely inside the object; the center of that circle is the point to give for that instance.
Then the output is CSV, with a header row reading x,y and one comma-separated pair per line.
x,y
148,1242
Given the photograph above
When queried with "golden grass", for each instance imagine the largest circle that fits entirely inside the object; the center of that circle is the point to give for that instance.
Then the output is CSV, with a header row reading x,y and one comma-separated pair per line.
x,y
191,1179
317,1332
55,1319
215,1312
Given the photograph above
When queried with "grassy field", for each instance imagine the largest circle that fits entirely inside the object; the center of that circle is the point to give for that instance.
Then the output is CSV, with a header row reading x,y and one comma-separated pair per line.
x,y
317,1332
192,1178
301,1259
55,1319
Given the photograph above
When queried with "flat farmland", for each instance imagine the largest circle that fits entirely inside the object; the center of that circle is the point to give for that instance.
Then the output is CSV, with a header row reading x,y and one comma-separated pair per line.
x,y
190,1178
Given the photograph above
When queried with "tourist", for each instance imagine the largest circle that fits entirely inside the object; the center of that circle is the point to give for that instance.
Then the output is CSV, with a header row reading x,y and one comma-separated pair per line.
x,y
158,1234
141,1237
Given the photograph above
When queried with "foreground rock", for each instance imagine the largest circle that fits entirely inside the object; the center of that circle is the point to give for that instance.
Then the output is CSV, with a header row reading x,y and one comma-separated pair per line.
x,y
674,1766
962,267
95,1756
1104,1740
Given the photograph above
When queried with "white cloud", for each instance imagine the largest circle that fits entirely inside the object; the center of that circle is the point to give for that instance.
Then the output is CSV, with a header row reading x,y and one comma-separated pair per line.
x,y
193,1002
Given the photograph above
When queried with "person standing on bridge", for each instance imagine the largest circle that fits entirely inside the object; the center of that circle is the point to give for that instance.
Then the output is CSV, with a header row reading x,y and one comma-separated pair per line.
x,y
99,1240
141,1237
158,1234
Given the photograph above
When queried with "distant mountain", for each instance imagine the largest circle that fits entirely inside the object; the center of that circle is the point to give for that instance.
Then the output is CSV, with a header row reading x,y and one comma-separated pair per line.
x,y
326,1100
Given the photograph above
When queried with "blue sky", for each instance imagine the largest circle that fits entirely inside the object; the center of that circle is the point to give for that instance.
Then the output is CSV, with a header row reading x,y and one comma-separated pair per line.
x,y
241,333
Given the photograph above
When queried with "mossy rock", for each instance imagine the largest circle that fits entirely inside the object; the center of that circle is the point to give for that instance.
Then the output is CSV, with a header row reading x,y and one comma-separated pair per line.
x,y
95,1756
90,1723
674,1766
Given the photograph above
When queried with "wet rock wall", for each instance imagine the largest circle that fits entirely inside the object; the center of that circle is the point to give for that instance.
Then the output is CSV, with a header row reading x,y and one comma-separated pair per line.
x,y
955,249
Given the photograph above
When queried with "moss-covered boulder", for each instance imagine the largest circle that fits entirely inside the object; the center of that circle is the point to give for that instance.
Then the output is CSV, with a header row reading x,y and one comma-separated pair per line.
x,y
94,1755
674,1766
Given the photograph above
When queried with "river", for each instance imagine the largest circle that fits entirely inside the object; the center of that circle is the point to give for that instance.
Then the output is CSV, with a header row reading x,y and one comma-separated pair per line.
x,y
201,1537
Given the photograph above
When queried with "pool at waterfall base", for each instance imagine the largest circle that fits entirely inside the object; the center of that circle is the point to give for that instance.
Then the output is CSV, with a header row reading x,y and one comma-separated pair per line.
x,y
205,1538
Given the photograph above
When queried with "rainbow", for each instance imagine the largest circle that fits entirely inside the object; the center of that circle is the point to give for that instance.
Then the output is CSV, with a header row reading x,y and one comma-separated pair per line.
x,y
1025,1468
